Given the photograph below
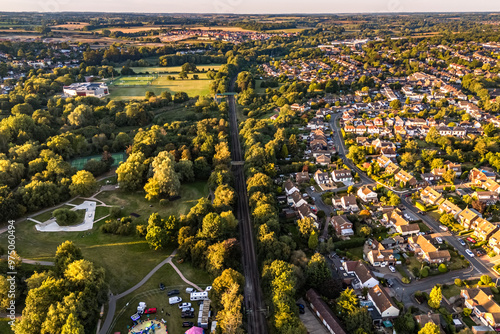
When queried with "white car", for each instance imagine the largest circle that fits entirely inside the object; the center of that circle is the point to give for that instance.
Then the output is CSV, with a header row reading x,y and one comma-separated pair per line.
x,y
184,305
174,300
392,269
439,240
469,252
208,288
189,290
187,309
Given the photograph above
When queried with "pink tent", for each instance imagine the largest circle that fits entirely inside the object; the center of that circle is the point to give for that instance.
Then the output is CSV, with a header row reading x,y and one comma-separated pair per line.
x,y
194,330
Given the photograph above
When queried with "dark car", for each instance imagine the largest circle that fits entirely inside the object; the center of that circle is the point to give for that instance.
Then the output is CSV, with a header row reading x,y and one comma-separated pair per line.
x,y
162,286
187,324
389,282
173,292
302,308
187,315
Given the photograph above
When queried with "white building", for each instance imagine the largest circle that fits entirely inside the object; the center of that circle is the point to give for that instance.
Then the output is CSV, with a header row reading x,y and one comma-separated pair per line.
x,y
97,89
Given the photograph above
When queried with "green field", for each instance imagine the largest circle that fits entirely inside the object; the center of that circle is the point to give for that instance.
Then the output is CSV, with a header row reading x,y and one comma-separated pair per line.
x,y
135,87
5,327
126,258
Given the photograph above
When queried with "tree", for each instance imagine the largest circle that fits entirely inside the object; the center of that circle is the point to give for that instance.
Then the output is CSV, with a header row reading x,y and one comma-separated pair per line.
x,y
478,205
365,230
212,226
4,292
447,219
485,279
404,323
357,154
395,104
224,197
442,268
449,176
156,237
317,270
72,326
313,240
435,297
165,180
230,318
306,226
131,172
65,216
430,328
347,303
359,321
83,183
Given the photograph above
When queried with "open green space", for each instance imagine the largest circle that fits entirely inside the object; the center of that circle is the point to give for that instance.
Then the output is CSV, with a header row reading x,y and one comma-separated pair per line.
x,y
5,327
153,297
173,69
136,203
423,227
126,88
127,259
451,290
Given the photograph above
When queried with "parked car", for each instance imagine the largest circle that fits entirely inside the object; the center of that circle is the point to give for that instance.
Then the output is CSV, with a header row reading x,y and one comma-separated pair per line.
x,y
184,305
439,240
150,311
390,283
312,188
162,286
469,239
208,288
174,300
187,309
469,252
462,242
392,269
187,324
444,228
187,315
189,290
173,292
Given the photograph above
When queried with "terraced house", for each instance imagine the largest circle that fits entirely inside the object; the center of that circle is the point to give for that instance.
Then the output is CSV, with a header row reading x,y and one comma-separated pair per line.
x,y
430,196
447,207
406,178
467,217
482,304
426,250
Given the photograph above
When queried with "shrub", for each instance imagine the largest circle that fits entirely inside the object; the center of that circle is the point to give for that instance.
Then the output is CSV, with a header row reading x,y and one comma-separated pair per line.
x,y
467,312
458,282
442,268
65,216
424,272
405,280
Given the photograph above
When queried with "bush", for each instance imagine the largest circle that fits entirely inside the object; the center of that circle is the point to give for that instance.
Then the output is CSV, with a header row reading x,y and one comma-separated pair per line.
x,y
65,216
458,282
405,280
424,272
121,226
351,243
442,268
465,232
467,312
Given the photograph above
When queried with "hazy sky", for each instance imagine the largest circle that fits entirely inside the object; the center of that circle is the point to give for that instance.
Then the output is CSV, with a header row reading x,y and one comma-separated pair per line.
x,y
253,6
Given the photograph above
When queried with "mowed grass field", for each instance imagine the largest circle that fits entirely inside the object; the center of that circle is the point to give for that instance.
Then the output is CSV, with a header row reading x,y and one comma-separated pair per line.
x,y
173,69
126,259
136,86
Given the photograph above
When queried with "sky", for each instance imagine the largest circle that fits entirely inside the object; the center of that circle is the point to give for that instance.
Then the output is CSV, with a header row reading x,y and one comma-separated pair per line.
x,y
252,6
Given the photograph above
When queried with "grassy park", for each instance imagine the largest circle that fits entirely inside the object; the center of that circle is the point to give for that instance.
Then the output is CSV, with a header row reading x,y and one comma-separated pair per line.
x,y
119,255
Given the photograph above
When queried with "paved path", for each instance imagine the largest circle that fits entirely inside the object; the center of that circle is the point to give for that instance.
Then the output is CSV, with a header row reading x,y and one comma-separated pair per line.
x,y
113,298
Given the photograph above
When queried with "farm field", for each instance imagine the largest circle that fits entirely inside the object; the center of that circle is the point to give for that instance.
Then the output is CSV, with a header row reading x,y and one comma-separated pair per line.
x,y
136,86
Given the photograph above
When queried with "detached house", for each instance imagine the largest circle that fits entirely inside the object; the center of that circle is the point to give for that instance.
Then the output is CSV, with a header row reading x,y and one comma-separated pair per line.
x,y
290,188
426,251
430,196
467,217
482,304
406,178
342,175
364,276
347,203
383,161
366,194
321,177
488,197
302,177
296,200
494,242
379,256
383,303
342,226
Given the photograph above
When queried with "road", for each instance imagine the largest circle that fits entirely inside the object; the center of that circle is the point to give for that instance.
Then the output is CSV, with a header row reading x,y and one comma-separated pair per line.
x,y
254,306
477,264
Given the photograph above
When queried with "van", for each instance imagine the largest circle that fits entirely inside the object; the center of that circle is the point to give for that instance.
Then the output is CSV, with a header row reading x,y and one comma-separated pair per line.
x,y
199,295
444,228
189,290
174,300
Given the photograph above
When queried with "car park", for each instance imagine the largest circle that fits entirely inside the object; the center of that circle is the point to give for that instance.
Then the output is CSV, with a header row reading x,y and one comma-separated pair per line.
x,y
469,252
462,242
184,305
173,292
150,311
174,300
162,286
392,269
187,324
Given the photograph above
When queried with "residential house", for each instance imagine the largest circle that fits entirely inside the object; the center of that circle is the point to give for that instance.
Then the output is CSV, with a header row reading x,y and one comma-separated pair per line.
x,y
324,313
366,194
290,187
430,196
323,160
487,197
321,177
302,177
389,152
296,200
447,207
438,173
383,303
477,176
392,168
491,185
347,203
426,250
467,217
494,242
342,175
406,178
364,276
377,255
483,306
306,212
408,229
435,318
342,226
455,167
484,229
383,161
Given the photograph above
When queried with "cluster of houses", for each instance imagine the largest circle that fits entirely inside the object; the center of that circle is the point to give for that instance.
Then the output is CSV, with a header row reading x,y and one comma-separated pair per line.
x,y
235,37
296,199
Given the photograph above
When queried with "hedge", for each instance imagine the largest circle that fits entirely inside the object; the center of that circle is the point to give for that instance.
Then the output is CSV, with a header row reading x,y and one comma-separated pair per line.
x,y
465,232
351,243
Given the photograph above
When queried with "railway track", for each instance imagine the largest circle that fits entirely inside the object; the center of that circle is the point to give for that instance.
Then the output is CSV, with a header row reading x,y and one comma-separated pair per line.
x,y
253,301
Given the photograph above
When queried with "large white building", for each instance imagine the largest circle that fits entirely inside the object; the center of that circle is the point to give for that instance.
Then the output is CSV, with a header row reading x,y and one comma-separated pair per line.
x,y
97,89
